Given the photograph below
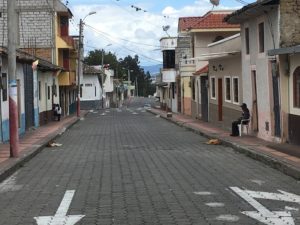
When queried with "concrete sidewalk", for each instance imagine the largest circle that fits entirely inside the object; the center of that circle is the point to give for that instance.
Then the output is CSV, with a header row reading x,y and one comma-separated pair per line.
x,y
251,146
32,143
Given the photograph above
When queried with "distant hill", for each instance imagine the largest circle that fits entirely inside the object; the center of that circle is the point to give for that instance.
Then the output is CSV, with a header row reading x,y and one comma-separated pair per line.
x,y
153,70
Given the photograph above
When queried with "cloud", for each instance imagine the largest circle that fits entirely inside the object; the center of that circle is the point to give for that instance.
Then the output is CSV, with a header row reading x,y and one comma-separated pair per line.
x,y
125,28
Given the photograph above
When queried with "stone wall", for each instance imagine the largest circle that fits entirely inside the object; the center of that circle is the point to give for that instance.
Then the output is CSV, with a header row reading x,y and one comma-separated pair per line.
x,y
289,23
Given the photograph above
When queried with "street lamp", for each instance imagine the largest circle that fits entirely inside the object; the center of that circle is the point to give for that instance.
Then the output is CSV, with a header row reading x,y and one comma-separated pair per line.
x,y
80,46
102,74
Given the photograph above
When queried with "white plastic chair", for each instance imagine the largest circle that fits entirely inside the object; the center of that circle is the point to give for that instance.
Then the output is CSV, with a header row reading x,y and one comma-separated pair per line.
x,y
242,125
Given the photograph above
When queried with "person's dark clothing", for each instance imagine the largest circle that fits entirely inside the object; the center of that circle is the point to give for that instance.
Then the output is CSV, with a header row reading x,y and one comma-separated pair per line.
x,y
245,116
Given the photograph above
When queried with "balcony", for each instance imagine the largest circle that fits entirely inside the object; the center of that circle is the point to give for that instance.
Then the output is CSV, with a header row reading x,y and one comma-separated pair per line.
x,y
187,68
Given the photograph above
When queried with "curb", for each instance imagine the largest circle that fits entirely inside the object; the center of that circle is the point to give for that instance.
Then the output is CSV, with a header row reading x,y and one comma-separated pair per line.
x,y
266,159
17,163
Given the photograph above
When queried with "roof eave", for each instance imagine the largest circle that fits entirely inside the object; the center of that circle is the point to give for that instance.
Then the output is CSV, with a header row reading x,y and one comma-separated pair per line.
x,y
250,10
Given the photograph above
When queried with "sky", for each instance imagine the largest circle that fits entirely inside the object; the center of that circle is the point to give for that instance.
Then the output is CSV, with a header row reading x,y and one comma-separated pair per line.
x,y
128,27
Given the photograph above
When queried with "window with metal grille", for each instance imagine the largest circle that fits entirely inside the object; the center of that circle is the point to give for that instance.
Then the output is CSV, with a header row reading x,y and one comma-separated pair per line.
x,y
213,87
235,82
227,89
169,59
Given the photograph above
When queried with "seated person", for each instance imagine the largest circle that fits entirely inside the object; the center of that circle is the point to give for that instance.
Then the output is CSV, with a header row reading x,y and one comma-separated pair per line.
x,y
245,116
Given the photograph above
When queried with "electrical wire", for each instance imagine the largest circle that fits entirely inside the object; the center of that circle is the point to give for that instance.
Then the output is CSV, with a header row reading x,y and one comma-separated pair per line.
x,y
133,42
129,50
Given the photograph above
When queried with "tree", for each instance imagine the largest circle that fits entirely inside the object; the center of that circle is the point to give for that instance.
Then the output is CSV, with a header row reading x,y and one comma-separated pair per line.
x,y
121,68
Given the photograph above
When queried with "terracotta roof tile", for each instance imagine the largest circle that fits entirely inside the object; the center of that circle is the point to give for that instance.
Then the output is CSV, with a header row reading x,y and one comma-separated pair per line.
x,y
211,20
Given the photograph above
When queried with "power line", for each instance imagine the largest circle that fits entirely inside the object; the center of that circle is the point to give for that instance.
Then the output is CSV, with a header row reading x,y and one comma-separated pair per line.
x,y
133,42
124,47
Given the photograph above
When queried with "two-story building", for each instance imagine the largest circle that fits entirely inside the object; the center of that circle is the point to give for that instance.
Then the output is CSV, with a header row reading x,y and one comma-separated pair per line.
x,y
44,33
269,74
203,31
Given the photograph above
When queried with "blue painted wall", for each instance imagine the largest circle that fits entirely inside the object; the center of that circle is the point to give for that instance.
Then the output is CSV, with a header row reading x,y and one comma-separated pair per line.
x,y
5,128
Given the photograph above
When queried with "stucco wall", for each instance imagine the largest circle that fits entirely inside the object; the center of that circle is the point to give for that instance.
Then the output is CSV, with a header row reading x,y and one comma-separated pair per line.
x,y
46,79
259,62
5,104
88,92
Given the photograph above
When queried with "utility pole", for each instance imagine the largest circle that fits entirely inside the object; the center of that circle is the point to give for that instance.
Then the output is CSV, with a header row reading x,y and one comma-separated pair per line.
x,y
102,80
102,74
79,66
13,97
136,87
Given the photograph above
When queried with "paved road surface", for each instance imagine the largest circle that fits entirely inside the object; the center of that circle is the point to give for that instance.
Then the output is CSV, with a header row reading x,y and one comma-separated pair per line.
x,y
130,167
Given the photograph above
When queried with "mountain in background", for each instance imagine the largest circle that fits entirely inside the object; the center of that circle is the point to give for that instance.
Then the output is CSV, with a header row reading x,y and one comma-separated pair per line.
x,y
153,70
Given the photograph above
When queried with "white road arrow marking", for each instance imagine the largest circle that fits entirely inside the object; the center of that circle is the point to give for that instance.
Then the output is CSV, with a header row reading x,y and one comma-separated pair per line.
x,y
284,196
264,215
60,217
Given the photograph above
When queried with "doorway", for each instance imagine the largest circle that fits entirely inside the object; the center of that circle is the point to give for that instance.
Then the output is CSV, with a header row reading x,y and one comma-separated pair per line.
x,y
204,98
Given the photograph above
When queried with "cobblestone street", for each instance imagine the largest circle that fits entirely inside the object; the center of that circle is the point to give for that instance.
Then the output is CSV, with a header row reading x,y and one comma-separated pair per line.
x,y
130,167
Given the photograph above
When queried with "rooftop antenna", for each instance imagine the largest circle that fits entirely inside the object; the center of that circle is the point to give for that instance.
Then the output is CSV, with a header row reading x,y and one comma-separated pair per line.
x,y
166,28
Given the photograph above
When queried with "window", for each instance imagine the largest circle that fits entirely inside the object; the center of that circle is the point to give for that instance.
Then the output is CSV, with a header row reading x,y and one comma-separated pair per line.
x,y
4,86
88,85
95,91
168,59
39,90
261,38
80,91
235,82
247,40
213,87
48,92
227,89
296,81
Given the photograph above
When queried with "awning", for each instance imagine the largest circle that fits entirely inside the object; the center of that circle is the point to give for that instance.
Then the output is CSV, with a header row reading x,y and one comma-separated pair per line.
x,y
206,57
202,71
282,51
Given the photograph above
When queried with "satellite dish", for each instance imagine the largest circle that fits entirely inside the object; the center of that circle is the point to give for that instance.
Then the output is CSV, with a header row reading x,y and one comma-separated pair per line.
x,y
215,2
166,28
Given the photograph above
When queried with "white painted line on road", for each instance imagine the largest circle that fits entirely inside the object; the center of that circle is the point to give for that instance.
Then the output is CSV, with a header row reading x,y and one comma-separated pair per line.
x,y
203,193
228,218
60,217
259,182
263,214
215,204
134,113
